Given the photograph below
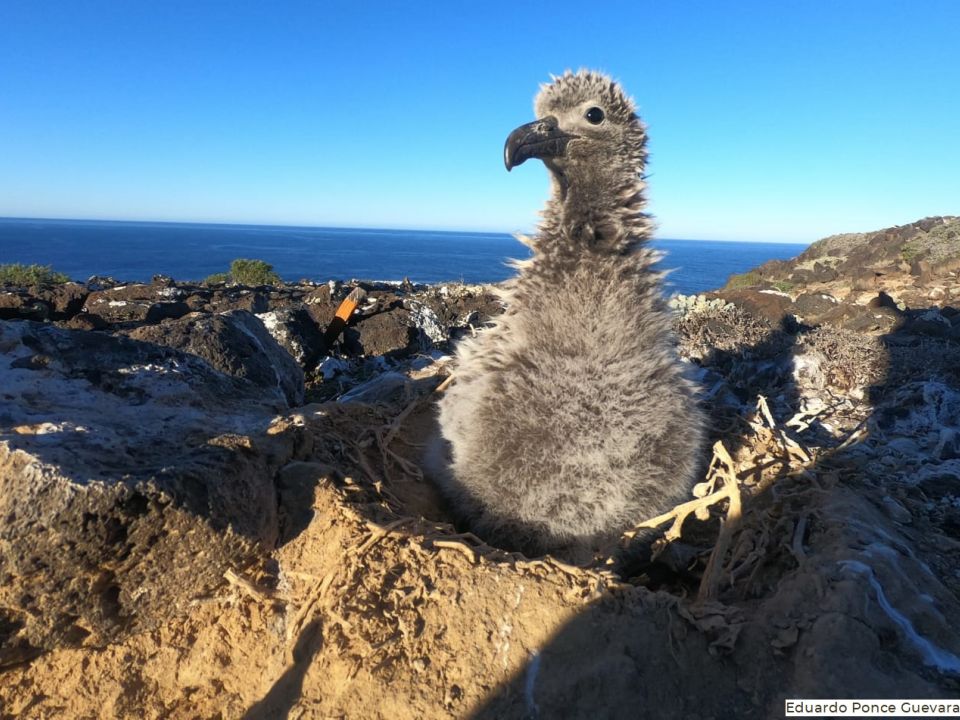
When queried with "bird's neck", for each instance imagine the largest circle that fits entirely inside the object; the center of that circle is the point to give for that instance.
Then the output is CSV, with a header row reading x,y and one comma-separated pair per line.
x,y
599,212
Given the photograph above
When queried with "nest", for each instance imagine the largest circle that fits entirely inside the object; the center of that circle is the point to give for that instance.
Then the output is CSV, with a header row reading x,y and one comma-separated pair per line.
x,y
750,513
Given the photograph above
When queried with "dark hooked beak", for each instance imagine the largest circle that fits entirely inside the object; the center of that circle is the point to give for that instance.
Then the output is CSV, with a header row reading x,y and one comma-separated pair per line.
x,y
539,139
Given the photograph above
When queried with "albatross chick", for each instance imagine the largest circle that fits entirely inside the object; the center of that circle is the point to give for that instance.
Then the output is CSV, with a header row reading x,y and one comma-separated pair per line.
x,y
572,418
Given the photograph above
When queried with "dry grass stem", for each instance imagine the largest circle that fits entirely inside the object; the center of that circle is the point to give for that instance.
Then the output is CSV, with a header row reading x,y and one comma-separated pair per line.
x,y
253,590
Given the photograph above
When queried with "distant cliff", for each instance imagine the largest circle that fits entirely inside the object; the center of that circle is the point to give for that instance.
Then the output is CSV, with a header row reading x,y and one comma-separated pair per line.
x,y
873,281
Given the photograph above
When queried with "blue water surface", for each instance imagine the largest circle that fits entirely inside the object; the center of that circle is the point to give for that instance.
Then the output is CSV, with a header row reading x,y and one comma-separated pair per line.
x,y
135,251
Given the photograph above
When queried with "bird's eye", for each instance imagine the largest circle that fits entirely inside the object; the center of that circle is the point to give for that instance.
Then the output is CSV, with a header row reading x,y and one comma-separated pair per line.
x,y
594,116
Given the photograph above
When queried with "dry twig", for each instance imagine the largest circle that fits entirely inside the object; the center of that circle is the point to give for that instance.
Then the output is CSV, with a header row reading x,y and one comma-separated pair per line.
x,y
710,582
700,506
253,590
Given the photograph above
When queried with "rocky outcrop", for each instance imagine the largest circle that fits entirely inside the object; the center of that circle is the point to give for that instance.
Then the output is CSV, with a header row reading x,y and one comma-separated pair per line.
x,y
236,343
136,304
859,281
295,330
132,476
395,320
55,302
19,303
389,333
140,436
925,250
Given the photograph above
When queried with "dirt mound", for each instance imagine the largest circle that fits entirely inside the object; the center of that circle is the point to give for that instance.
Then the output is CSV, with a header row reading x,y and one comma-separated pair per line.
x,y
372,606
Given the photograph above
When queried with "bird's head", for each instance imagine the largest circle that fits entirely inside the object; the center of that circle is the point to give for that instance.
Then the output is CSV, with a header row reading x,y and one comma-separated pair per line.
x,y
586,132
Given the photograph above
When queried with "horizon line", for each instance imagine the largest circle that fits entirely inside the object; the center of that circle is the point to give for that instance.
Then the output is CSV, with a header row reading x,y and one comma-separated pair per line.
x,y
447,230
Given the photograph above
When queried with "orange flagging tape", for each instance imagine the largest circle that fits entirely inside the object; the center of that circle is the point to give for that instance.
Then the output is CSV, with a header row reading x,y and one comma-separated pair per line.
x,y
349,304
342,316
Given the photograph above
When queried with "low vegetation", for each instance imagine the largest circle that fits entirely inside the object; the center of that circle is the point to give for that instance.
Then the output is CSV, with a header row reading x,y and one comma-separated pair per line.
x,y
910,251
30,275
244,271
742,280
940,244
752,279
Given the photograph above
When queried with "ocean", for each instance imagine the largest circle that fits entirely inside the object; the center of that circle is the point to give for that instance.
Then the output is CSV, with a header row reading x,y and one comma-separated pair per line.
x,y
136,251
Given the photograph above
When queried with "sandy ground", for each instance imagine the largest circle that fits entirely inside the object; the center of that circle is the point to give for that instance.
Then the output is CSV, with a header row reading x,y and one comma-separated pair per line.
x,y
374,606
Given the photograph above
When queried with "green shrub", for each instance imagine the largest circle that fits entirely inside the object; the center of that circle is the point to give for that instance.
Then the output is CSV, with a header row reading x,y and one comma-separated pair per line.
x,y
29,275
244,271
253,272
783,285
742,280
910,251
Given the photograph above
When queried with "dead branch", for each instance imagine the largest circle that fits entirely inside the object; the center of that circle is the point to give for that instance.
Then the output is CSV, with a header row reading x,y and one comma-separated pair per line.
x,y
701,505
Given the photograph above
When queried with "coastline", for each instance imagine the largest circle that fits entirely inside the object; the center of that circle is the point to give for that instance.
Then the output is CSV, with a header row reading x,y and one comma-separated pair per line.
x,y
134,252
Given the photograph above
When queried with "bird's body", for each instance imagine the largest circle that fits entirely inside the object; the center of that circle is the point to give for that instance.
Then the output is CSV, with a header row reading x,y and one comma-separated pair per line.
x,y
571,419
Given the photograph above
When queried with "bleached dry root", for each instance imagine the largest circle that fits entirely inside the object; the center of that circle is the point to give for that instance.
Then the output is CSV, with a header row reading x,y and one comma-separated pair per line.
x,y
745,540
773,530
388,433
257,592
707,493
723,467
721,484
791,446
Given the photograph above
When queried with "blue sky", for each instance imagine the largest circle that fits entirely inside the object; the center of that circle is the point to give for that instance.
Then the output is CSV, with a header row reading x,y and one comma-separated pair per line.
x,y
767,120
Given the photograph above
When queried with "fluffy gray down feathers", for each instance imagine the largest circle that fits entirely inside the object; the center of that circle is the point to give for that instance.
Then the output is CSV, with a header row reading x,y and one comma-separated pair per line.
x,y
572,419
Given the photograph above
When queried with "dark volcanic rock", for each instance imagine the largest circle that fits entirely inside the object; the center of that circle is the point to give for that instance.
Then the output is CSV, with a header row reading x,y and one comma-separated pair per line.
x,y
256,300
84,321
137,303
460,309
53,302
296,332
930,322
771,305
400,319
128,485
21,304
234,298
883,300
824,272
385,333
865,319
235,343
65,300
321,306
102,282
811,307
